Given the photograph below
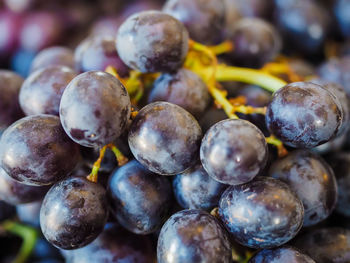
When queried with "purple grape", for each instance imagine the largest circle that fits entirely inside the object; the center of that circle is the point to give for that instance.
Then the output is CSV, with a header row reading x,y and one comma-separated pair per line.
x,y
183,88
36,151
106,26
233,151
10,111
312,180
73,213
304,115
204,19
193,236
41,92
195,189
53,56
139,199
263,213
165,138
152,41
341,11
10,27
94,109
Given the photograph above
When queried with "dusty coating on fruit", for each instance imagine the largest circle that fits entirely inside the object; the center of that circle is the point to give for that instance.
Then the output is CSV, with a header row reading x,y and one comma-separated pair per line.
x,y
165,138
195,189
193,236
139,199
203,19
41,92
304,115
95,108
33,150
279,255
183,88
152,41
312,180
73,213
233,151
263,213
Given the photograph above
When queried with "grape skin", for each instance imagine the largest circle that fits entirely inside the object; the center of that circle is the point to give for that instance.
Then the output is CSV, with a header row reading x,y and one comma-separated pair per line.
x,y
263,213
73,213
94,109
35,150
165,138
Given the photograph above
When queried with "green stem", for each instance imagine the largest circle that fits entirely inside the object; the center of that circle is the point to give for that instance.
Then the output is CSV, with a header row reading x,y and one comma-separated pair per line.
x,y
29,236
249,76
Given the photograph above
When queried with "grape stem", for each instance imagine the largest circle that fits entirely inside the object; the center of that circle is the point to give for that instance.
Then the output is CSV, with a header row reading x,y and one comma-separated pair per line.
x,y
29,236
222,48
282,151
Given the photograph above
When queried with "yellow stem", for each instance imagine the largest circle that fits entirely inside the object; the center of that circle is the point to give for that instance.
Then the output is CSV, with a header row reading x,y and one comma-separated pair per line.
x,y
282,151
93,176
224,47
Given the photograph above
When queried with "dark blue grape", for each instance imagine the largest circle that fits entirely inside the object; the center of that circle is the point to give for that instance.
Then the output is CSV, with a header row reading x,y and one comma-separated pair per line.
x,y
341,11
94,109
263,213
204,19
21,61
326,245
6,211
312,180
29,213
233,151
35,150
152,41
53,56
165,138
183,88
14,192
41,92
10,111
115,245
333,145
279,255
304,115
195,189
73,213
139,199
193,236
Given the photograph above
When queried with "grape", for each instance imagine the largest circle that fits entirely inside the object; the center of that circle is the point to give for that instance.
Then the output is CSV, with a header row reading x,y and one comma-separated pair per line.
x,y
14,192
53,56
97,53
21,61
193,236
10,27
44,250
233,151
255,42
313,181
333,145
139,199
152,41
263,213
282,254
195,189
183,88
29,213
73,213
204,19
304,115
94,109
302,68
36,151
341,11
6,211
115,245
106,26
165,138
210,117
326,245
10,111
41,92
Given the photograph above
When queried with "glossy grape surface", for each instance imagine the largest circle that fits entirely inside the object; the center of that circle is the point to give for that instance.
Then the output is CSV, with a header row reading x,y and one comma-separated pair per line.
x,y
73,213
41,92
193,236
152,41
304,115
35,150
183,88
204,19
139,199
165,138
94,108
195,189
233,151
263,213
312,180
